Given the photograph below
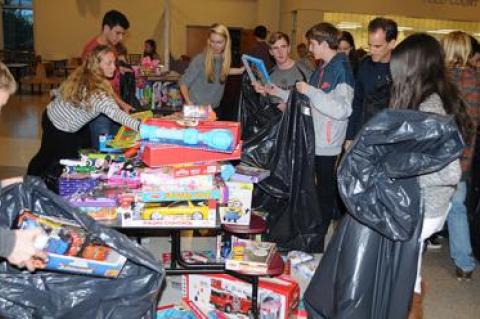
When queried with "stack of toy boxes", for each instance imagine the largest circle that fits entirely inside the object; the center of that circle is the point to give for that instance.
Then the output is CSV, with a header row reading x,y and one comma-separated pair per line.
x,y
177,196
224,296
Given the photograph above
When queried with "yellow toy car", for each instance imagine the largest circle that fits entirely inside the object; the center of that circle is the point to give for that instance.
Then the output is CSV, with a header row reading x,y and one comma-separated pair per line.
x,y
178,210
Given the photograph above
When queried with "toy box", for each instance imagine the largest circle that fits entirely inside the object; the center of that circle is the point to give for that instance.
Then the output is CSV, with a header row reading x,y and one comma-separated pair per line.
x,y
151,194
196,111
249,174
68,186
250,255
224,296
126,137
71,249
238,209
166,183
179,214
155,155
205,135
98,208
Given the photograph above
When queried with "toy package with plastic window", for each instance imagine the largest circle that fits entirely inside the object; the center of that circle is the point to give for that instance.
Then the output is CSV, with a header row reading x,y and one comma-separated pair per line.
x,y
70,248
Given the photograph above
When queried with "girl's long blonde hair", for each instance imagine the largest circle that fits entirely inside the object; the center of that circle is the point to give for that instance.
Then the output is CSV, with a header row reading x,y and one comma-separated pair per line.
x,y
221,30
87,80
457,47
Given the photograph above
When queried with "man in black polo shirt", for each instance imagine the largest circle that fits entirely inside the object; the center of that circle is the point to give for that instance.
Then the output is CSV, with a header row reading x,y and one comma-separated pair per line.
x,y
372,81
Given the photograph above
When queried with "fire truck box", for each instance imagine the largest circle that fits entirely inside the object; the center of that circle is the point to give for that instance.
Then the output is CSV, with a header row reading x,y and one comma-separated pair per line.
x,y
226,295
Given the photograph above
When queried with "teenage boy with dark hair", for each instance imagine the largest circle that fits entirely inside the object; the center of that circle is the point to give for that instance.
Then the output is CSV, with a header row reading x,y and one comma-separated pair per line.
x,y
114,26
372,82
286,71
330,91
260,49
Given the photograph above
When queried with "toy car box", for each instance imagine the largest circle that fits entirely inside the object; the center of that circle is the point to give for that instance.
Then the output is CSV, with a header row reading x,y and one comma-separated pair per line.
x,y
70,249
183,214
237,211
225,295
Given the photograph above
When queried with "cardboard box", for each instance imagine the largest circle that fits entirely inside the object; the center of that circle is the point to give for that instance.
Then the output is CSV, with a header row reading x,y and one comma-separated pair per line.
x,y
70,249
189,216
238,209
202,127
224,296
156,155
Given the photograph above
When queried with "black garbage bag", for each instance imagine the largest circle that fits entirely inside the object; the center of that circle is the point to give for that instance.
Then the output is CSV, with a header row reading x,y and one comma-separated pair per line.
x,y
44,294
127,90
255,111
286,148
369,267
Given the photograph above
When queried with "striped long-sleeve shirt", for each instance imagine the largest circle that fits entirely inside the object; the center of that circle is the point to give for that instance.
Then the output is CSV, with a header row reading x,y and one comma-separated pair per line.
x,y
66,117
467,80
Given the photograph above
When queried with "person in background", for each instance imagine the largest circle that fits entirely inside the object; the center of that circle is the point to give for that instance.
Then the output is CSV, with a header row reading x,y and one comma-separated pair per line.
x,y
17,246
150,49
373,79
458,50
304,57
260,49
203,83
114,26
474,59
347,46
420,83
286,71
84,95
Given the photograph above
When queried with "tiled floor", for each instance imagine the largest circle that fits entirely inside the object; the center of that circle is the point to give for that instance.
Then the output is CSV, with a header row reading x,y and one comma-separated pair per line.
x,y
446,298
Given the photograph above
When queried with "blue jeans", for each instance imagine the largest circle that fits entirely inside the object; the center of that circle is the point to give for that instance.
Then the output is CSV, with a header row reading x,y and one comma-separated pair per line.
x,y
459,232
102,125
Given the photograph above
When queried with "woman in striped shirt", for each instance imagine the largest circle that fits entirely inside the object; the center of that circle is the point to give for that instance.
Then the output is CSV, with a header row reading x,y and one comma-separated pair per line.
x,y
84,95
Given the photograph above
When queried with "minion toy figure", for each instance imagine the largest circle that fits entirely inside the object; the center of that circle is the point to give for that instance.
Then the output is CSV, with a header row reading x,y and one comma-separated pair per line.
x,y
234,211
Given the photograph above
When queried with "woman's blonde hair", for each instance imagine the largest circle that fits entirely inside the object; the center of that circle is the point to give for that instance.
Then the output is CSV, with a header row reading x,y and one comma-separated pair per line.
x,y
7,81
221,30
457,47
87,80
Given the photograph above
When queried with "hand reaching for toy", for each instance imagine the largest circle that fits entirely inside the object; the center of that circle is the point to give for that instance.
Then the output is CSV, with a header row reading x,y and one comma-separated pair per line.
x,y
24,253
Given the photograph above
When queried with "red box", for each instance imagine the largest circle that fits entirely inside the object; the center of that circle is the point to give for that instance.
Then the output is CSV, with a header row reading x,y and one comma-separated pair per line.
x,y
166,154
202,126
224,296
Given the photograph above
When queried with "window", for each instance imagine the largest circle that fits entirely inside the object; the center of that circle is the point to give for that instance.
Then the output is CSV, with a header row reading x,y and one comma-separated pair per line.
x,y
18,25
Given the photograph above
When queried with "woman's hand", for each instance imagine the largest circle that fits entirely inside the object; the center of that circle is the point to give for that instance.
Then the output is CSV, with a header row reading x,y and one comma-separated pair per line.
x,y
302,87
24,253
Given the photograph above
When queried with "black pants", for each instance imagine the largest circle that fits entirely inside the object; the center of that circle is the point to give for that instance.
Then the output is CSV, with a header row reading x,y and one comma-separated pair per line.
x,y
326,188
55,145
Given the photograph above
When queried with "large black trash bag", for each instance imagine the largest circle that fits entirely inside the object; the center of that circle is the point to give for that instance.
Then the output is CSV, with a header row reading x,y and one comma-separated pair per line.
x,y
255,111
287,149
370,265
44,294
